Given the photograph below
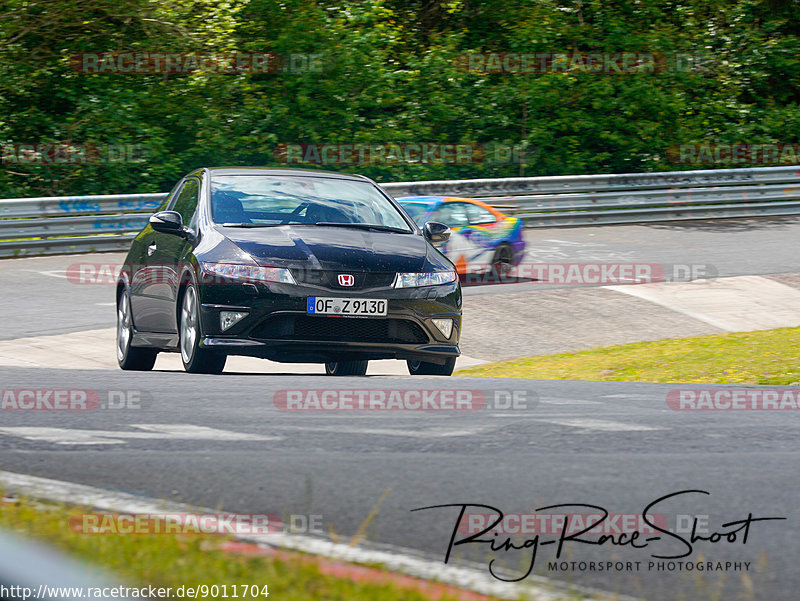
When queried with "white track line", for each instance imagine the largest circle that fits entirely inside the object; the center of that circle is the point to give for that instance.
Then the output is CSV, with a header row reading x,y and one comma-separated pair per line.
x,y
568,402
421,433
599,424
94,349
395,559
70,436
735,304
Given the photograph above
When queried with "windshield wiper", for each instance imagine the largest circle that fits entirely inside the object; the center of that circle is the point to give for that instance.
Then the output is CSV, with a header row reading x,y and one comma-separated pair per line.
x,y
364,226
249,224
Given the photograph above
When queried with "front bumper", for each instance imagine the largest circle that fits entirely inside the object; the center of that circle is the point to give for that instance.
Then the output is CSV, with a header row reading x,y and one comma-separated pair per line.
x,y
278,327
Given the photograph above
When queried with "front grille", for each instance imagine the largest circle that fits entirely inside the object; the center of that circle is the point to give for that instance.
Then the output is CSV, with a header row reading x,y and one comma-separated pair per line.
x,y
343,329
330,278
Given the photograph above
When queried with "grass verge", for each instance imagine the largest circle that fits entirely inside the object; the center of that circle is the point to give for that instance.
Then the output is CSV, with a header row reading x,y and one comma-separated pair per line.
x,y
202,559
763,357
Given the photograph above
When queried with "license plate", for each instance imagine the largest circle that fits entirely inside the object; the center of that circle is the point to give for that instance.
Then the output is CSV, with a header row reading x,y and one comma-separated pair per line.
x,y
319,305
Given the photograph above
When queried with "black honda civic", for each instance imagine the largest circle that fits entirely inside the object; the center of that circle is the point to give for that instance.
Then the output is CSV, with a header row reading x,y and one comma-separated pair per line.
x,y
288,265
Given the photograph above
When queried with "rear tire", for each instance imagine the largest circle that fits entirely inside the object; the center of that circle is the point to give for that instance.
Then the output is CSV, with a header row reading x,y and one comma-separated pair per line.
x,y
502,263
130,358
425,368
346,368
196,360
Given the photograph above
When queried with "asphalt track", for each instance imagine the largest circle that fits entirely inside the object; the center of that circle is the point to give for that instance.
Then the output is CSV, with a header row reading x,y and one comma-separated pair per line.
x,y
618,446
220,441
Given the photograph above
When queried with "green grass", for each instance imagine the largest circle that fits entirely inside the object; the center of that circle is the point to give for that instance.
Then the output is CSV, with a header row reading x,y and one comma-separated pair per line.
x,y
763,357
191,560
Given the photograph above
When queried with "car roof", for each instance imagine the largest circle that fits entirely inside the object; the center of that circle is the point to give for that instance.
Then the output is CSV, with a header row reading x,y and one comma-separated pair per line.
x,y
420,200
433,200
279,171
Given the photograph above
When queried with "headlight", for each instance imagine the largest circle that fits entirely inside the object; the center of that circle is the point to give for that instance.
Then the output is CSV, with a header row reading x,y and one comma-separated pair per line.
x,y
412,280
249,273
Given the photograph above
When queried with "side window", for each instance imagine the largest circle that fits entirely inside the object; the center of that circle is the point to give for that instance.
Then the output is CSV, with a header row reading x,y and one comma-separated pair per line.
x,y
186,202
451,214
479,216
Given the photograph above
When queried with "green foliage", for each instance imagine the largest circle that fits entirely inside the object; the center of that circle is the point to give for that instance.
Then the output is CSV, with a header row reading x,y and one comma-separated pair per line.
x,y
391,71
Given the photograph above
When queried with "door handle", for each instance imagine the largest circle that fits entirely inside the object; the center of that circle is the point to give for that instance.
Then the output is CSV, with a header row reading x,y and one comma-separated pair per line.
x,y
151,249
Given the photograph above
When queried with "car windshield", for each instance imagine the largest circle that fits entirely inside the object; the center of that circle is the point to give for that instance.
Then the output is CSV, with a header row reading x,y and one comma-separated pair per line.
x,y
416,210
262,201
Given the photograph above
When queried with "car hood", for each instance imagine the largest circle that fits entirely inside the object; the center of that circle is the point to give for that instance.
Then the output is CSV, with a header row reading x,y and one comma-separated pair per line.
x,y
331,248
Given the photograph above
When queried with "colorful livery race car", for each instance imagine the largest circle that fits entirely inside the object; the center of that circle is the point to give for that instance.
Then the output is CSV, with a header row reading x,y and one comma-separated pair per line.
x,y
483,239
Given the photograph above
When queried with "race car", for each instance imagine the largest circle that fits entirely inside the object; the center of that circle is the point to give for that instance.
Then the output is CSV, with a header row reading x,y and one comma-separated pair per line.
x,y
482,240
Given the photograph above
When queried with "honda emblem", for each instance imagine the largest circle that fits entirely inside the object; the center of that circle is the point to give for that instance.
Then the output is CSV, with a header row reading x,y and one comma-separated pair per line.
x,y
345,279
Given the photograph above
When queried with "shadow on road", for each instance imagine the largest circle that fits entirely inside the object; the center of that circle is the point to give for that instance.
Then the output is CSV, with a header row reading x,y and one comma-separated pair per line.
x,y
726,225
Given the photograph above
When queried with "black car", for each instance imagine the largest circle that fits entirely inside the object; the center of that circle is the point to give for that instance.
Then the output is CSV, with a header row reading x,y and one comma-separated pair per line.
x,y
288,265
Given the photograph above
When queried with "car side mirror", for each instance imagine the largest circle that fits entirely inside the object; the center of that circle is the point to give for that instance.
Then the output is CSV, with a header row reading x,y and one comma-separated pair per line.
x,y
166,222
171,222
436,232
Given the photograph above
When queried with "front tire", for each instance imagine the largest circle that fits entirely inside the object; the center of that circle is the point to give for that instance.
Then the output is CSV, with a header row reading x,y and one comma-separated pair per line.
x,y
425,368
346,368
130,358
196,360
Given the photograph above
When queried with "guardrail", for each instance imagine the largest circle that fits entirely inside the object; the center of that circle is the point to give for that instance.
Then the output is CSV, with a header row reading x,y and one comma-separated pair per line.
x,y
57,225
574,200
72,224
